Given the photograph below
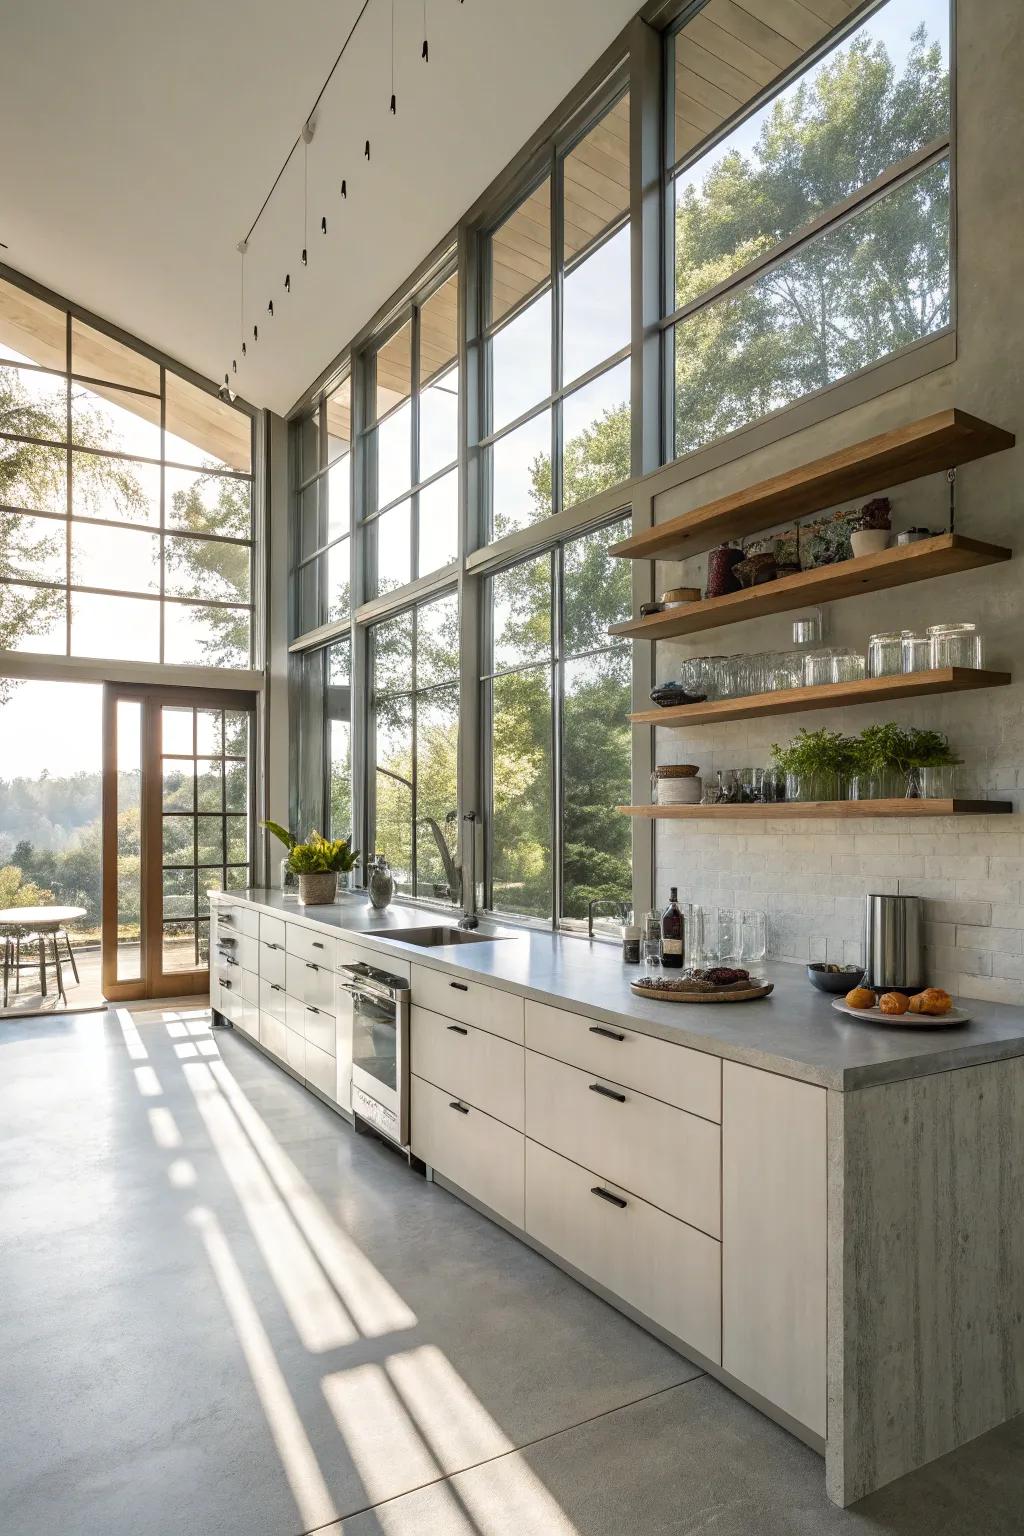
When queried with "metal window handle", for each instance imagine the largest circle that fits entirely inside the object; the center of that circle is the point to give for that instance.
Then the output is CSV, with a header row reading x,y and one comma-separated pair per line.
x,y
604,1194
607,1034
460,1107
457,1029
608,1093
459,986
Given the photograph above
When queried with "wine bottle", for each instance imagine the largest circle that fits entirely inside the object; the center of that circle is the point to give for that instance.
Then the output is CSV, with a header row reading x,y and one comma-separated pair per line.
x,y
672,933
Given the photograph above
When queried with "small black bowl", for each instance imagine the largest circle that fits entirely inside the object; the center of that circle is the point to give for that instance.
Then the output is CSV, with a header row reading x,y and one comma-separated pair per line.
x,y
835,981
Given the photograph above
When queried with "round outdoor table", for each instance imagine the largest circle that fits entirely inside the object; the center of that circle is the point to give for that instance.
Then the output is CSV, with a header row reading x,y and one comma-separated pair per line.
x,y
43,921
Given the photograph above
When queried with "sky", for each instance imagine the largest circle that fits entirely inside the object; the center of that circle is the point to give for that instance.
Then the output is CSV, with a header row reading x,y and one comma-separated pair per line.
x,y
52,726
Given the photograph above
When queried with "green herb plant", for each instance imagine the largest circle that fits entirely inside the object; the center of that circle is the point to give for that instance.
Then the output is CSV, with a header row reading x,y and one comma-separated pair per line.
x,y
891,747
816,752
320,855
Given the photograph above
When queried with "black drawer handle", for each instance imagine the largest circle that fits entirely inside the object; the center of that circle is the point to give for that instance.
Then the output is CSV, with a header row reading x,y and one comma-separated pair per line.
x,y
225,917
275,988
606,1034
316,944
459,986
608,1093
225,983
604,1194
227,940
311,1009
460,1107
268,944
457,1029
311,967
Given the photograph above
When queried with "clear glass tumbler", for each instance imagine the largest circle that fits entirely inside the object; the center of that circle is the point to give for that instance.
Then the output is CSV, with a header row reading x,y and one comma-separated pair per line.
x,y
885,654
754,936
955,645
818,666
730,935
847,666
916,651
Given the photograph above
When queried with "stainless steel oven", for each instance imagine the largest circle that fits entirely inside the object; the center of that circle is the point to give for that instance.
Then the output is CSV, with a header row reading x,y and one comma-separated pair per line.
x,y
380,1049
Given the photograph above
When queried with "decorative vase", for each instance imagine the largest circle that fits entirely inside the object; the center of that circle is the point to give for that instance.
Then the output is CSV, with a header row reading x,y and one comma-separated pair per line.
x,y
288,879
380,884
869,541
318,890
720,571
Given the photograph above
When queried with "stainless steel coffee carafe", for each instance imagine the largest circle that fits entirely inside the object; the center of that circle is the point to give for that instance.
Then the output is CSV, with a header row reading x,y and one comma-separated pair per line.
x,y
893,944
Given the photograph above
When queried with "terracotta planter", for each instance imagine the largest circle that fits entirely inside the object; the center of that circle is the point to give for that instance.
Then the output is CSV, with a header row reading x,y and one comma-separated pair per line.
x,y
318,890
869,541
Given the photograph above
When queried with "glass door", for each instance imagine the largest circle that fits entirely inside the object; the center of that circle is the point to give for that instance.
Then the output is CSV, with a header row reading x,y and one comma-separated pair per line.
x,y
177,823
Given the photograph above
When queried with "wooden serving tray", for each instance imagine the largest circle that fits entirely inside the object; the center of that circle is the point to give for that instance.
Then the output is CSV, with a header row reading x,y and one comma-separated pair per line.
x,y
734,995
902,1020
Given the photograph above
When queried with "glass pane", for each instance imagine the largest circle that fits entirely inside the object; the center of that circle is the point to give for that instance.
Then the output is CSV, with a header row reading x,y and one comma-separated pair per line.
x,y
179,947
129,839
394,370
393,787
520,842
852,296
339,420
125,559
33,477
596,183
596,314
209,732
209,840
236,786
236,732
439,523
437,756
176,728
206,568
338,664
179,786
309,444
33,619
881,94
309,603
439,423
237,834
520,362
179,893
31,331
339,499
206,637
203,934
115,419
520,253
311,524
393,448
115,489
338,583
33,403
208,503
101,357
394,547
520,476
179,840
521,613
596,777
597,587
123,628
238,880
34,548
596,432
391,653
439,328
339,756
209,785
205,431
437,641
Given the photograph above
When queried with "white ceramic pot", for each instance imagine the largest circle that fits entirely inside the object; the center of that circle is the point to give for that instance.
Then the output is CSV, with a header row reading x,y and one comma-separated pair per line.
x,y
869,541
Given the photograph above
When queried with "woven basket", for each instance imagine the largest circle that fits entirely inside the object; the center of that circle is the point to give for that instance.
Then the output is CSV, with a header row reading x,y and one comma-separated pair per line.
x,y
318,890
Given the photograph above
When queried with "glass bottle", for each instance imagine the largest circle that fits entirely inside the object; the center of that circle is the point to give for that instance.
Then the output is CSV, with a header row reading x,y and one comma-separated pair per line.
x,y
672,933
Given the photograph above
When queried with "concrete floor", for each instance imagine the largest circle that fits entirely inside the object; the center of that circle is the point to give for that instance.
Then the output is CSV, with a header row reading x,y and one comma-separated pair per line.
x,y
222,1312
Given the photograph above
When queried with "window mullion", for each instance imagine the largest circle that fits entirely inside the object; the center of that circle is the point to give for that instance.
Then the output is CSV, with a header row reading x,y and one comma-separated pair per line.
x,y
557,290
557,724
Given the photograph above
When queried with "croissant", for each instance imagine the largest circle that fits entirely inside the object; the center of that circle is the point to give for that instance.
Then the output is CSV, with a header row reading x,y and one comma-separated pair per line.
x,y
894,1002
934,1001
860,997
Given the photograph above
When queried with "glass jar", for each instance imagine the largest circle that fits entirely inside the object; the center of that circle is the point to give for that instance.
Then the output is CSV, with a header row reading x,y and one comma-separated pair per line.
x,y
955,645
916,651
786,670
847,666
754,937
939,783
888,784
818,666
812,786
885,654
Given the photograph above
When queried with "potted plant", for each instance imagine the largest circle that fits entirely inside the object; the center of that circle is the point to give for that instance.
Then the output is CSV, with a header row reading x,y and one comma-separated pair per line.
x,y
874,525
318,862
931,767
288,878
815,764
892,762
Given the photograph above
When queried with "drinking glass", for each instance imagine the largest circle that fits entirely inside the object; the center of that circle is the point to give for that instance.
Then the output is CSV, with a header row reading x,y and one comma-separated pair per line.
x,y
818,666
954,645
885,654
730,935
754,936
847,666
916,652
650,944
939,783
694,936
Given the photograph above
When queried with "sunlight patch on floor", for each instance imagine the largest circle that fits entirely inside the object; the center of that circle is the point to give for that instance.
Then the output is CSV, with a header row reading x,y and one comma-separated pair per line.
x,y
381,1439
148,1083
164,1128
132,1039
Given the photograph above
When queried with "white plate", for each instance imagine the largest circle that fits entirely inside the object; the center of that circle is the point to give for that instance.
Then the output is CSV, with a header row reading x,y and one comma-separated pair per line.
x,y
903,1020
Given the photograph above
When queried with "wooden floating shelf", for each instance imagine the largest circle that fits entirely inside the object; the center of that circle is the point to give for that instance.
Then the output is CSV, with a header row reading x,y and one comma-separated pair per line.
x,y
942,555
788,701
924,447
806,809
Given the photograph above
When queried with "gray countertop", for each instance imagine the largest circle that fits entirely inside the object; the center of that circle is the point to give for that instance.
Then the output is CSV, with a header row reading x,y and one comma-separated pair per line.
x,y
795,1031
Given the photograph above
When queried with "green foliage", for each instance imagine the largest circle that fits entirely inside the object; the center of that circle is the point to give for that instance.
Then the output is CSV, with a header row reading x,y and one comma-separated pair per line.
x,y
16,891
890,746
281,833
321,855
817,752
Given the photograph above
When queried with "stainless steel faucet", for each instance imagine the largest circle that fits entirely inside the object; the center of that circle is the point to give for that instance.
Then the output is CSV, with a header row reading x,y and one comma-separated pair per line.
x,y
461,880
452,874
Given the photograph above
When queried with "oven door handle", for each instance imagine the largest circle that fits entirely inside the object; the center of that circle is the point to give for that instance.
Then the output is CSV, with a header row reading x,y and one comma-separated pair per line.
x,y
366,993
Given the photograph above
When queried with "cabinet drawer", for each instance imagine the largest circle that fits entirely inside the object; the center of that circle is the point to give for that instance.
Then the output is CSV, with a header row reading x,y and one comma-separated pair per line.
x,y
234,917
272,930
310,983
662,1154
308,944
249,986
295,1050
273,1034
272,1000
248,1020
500,1013
319,1027
321,1070
688,1079
238,947
667,1270
272,963
484,1070
479,1154
225,995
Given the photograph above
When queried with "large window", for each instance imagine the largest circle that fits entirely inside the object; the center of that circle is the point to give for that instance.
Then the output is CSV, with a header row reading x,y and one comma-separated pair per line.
x,y
556,698
322,444
411,444
810,204
125,500
414,740
556,375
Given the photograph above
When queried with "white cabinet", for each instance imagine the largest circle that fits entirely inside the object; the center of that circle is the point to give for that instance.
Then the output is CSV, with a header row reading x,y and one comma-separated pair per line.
x,y
774,1237
272,962
483,1069
272,931
668,1157
273,999
665,1269
471,1002
309,983
309,944
478,1153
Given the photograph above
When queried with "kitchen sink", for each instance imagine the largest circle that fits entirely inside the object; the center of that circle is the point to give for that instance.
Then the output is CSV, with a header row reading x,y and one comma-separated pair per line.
x,y
435,937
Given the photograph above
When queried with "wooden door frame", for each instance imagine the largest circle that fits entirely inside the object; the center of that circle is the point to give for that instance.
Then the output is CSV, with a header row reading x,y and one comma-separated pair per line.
x,y
151,697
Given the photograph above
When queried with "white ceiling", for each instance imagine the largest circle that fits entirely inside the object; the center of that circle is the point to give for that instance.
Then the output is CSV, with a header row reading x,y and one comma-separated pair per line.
x,y
141,138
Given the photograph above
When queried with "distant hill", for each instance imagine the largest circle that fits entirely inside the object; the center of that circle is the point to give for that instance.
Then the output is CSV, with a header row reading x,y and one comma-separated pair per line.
x,y
49,813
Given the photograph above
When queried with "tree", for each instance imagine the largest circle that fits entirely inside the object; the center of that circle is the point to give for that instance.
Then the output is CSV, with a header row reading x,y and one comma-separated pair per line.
x,y
210,569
